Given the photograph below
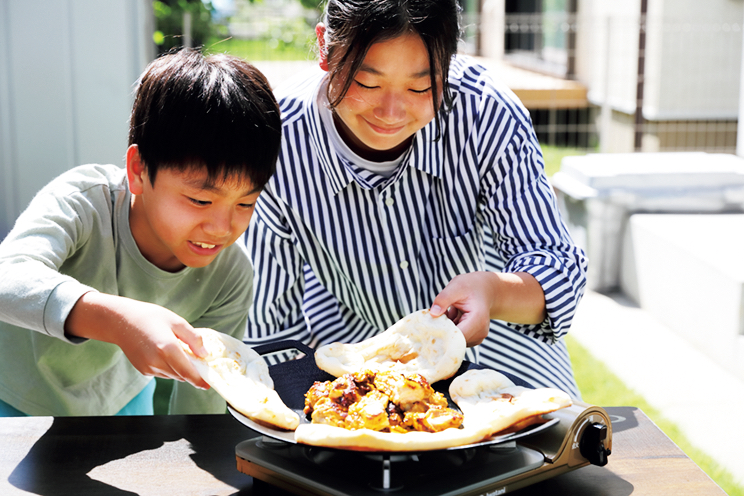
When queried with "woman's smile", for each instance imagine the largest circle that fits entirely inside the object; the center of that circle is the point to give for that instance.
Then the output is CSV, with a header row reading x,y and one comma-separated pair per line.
x,y
390,98
384,129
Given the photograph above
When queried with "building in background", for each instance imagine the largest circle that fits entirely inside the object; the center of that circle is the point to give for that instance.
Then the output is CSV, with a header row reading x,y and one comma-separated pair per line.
x,y
67,70
597,75
661,75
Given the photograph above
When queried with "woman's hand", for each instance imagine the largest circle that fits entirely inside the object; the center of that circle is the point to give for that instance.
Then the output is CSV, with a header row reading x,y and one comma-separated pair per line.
x,y
472,300
148,334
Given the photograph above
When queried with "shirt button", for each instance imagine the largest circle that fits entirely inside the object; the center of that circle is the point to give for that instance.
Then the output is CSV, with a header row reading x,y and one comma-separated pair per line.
x,y
404,265
389,202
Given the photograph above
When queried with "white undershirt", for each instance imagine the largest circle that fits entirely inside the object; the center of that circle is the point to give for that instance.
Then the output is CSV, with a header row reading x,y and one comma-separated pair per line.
x,y
385,169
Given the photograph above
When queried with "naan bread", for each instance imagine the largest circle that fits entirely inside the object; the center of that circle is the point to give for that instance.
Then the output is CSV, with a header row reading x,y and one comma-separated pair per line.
x,y
489,398
241,377
369,440
418,343
491,404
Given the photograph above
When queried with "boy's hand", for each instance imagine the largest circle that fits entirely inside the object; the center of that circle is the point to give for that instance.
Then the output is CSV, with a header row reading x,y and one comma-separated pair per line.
x,y
472,300
148,334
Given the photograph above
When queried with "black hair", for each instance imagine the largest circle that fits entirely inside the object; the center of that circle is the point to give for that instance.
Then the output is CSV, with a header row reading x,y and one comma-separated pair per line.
x,y
353,26
216,112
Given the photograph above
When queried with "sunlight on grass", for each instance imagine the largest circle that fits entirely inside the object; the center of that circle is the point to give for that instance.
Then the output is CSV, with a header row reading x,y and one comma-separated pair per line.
x,y
601,387
253,50
554,154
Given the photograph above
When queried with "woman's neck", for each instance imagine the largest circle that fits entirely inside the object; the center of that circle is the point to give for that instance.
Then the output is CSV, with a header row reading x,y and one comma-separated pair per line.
x,y
364,151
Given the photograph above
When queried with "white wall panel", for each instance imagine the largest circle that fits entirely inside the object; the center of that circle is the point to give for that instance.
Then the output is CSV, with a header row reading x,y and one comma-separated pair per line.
x,y
68,68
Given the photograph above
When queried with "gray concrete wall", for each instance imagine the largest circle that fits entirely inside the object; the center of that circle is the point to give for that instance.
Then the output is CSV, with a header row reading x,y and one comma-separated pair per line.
x,y
67,69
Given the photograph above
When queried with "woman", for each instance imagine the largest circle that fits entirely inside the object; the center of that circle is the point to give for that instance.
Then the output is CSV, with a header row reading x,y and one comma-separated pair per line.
x,y
408,179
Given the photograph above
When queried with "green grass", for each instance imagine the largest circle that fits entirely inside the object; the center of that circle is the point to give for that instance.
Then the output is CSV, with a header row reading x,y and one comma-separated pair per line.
x,y
253,50
601,387
554,154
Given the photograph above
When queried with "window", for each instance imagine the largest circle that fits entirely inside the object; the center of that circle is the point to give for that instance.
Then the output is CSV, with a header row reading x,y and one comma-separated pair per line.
x,y
540,35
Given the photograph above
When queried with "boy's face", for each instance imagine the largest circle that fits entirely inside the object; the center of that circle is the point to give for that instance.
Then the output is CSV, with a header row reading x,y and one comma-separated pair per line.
x,y
183,220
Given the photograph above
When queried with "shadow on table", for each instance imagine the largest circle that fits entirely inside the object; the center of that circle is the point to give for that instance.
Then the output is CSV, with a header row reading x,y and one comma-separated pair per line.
x,y
623,418
61,459
594,480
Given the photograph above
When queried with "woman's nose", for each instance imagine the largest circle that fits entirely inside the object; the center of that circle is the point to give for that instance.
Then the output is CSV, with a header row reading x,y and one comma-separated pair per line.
x,y
390,108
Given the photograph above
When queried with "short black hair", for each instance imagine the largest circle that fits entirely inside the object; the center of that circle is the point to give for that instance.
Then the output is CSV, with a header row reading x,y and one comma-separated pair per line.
x,y
216,112
353,26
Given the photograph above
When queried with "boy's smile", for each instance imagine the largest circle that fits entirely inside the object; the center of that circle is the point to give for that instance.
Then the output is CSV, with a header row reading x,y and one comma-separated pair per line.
x,y
183,219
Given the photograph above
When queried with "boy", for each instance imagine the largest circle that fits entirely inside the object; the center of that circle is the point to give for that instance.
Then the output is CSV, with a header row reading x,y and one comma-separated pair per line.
x,y
108,268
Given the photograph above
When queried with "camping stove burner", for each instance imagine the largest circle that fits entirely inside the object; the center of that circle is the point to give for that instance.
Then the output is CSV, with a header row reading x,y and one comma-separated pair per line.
x,y
579,435
498,468
390,463
329,471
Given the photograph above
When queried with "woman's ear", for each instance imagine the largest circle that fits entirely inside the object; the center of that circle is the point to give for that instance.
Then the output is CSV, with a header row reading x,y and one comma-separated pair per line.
x,y
322,48
136,170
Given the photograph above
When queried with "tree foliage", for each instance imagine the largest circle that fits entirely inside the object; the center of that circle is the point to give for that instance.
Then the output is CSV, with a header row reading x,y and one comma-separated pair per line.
x,y
169,18
313,4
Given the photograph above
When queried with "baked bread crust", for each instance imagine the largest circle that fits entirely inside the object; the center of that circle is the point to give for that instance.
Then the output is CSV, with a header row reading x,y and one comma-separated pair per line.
x,y
487,397
368,440
241,377
419,343
490,403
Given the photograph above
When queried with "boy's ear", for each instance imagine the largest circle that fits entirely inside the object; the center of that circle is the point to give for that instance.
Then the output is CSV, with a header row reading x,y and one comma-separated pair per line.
x,y
322,48
136,170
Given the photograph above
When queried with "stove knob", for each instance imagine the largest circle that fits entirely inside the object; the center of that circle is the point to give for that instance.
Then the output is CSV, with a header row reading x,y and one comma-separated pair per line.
x,y
591,445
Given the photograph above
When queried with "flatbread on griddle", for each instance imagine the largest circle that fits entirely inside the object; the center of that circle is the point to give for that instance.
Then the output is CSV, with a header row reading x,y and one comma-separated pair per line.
x,y
419,343
241,377
487,397
368,440
490,403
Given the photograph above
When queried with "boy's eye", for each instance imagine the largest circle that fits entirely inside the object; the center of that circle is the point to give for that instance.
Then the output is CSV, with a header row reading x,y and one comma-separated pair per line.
x,y
201,203
421,92
246,205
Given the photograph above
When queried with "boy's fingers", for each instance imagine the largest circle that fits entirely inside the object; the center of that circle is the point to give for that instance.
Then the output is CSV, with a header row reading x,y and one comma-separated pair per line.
x,y
186,371
179,362
192,337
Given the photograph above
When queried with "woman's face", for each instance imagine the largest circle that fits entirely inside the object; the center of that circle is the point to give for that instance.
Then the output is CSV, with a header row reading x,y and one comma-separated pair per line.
x,y
390,98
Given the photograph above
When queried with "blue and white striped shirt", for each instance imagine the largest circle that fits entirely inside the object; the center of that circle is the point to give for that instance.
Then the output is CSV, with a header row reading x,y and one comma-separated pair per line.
x,y
341,253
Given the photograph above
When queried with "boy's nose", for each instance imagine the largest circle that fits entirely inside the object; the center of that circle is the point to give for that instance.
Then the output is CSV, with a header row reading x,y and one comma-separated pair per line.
x,y
218,225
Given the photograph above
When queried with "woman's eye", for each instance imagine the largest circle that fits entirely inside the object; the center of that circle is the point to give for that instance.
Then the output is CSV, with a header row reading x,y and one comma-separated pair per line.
x,y
421,92
364,85
246,205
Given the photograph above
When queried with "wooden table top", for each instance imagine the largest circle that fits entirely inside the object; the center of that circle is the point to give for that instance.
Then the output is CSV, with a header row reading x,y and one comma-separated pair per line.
x,y
195,455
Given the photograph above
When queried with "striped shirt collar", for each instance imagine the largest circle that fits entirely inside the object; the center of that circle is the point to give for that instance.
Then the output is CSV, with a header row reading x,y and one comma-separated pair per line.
x,y
340,173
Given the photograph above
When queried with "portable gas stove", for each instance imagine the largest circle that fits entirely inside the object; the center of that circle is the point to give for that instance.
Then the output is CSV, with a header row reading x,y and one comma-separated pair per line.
x,y
573,437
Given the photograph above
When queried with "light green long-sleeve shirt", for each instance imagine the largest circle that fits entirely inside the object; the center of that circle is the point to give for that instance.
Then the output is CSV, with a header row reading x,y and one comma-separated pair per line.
x,y
74,237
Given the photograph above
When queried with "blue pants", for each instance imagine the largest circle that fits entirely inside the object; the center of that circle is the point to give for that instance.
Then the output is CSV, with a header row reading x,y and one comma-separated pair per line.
x,y
140,404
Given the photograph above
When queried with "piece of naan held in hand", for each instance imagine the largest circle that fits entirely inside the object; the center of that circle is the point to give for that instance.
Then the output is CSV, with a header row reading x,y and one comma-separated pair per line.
x,y
241,377
487,397
419,343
